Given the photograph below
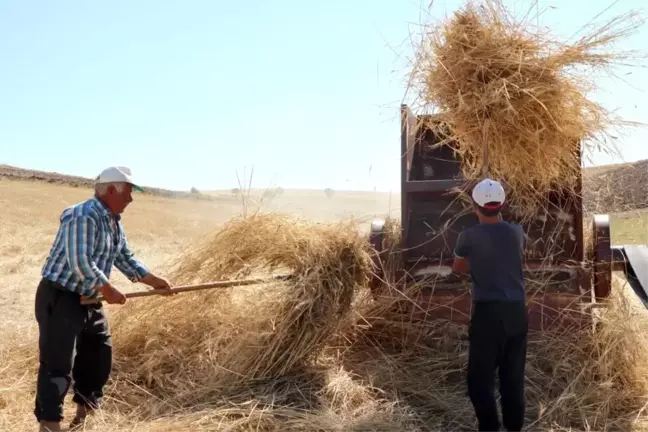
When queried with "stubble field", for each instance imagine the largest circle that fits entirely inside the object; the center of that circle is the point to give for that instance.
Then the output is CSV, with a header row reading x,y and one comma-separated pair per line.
x,y
159,229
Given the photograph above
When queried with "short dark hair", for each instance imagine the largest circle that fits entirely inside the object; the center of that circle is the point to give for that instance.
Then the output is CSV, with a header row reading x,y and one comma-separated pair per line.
x,y
490,209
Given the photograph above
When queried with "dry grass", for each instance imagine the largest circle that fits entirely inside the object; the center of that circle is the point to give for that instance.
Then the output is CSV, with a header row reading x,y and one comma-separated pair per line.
x,y
577,378
159,229
327,261
522,95
317,353
233,359
216,343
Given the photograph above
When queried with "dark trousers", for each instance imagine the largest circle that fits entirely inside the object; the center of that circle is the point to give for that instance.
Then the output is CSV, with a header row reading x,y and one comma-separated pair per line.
x,y
498,341
74,343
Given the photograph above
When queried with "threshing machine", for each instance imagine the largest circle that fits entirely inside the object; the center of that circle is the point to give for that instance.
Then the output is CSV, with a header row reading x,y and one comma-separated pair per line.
x,y
574,276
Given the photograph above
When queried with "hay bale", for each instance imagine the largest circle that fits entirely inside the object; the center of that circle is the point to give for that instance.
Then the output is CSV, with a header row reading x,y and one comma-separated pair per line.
x,y
329,262
217,338
492,81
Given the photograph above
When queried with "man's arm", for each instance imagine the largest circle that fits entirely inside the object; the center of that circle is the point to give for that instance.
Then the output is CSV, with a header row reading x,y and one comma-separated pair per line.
x,y
130,267
79,235
461,252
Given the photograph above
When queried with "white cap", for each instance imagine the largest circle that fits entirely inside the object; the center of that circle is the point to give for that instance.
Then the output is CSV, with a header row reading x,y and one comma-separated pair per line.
x,y
117,174
487,191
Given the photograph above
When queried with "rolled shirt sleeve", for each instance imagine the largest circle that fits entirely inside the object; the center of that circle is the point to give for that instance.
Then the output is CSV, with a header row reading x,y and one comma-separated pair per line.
x,y
79,234
130,267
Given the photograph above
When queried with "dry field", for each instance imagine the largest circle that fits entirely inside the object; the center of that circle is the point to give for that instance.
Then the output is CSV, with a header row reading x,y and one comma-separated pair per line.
x,y
159,228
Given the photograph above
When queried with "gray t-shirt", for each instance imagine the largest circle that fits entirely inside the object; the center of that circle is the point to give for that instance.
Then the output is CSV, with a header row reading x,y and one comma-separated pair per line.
x,y
495,253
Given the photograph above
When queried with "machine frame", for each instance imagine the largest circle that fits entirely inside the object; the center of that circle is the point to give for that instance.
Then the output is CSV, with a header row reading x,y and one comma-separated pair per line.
x,y
574,277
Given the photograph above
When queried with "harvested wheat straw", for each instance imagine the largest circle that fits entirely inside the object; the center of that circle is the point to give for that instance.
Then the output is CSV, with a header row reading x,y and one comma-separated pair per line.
x,y
578,378
187,362
491,79
378,367
255,333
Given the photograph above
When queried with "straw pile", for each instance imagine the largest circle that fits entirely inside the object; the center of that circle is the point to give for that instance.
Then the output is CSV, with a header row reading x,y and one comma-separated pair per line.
x,y
576,378
250,333
314,354
496,84
317,353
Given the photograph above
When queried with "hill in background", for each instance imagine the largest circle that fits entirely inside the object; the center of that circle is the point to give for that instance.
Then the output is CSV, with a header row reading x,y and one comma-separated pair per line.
x,y
616,188
15,173
606,189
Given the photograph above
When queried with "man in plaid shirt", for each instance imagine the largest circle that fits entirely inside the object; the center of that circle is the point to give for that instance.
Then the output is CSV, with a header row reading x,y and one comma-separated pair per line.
x,y
90,240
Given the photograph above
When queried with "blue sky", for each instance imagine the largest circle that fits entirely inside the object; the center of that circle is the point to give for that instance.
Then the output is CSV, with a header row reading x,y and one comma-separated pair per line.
x,y
187,93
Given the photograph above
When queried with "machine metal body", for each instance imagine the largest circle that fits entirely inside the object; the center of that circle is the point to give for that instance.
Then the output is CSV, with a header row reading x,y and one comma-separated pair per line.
x,y
432,218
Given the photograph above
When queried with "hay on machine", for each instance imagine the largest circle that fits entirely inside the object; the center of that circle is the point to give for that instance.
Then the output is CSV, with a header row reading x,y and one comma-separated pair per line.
x,y
492,82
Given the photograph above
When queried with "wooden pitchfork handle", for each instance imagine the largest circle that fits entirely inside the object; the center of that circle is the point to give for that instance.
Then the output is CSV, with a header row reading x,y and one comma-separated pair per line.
x,y
186,288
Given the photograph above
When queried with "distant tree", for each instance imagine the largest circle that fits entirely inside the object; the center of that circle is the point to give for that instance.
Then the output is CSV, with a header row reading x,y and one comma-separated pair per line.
x,y
236,191
195,191
329,193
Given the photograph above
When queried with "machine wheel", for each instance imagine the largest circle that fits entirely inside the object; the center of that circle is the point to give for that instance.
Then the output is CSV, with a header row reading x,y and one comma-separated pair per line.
x,y
602,255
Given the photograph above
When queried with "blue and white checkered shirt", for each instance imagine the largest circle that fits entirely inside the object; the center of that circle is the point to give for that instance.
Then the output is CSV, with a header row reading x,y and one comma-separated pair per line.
x,y
90,240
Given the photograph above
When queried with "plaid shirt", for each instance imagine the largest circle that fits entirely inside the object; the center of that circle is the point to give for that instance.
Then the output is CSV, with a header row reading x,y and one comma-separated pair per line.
x,y
90,240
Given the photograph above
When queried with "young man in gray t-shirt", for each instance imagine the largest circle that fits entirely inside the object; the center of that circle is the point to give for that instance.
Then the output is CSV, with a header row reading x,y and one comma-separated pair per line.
x,y
493,253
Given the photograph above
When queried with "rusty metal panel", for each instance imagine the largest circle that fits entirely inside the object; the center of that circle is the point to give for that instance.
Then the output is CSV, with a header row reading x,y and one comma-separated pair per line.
x,y
433,163
537,278
432,218
410,140
546,311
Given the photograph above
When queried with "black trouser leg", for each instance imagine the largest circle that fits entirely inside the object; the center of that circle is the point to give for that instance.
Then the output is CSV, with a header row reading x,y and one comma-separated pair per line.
x,y
498,340
60,320
93,361
483,354
511,373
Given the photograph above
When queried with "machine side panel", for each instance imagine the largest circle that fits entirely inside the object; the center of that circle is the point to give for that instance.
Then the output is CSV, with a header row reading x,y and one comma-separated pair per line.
x,y
433,216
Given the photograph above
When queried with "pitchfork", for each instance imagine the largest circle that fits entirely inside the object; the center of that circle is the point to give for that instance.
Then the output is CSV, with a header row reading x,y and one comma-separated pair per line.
x,y
186,288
